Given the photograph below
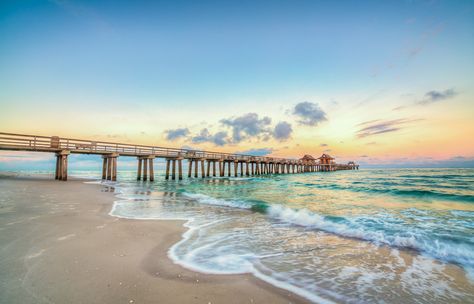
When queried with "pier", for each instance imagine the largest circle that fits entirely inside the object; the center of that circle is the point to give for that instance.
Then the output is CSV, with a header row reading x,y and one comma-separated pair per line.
x,y
201,164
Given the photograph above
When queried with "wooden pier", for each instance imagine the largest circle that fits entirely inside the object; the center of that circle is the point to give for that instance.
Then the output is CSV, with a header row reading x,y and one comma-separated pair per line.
x,y
200,163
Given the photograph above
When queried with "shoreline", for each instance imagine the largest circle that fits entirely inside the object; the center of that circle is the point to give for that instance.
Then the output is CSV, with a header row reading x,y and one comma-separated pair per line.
x,y
107,244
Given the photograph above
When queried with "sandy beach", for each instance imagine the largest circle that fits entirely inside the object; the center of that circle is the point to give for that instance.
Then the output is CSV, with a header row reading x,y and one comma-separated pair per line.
x,y
59,245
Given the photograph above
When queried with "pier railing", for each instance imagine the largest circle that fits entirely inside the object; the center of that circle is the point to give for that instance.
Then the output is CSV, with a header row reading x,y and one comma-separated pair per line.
x,y
14,141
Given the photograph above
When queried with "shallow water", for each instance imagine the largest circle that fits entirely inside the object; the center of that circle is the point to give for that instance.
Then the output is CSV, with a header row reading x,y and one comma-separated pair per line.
x,y
392,235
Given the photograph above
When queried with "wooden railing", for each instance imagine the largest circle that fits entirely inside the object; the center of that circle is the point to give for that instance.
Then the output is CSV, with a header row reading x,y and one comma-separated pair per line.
x,y
54,143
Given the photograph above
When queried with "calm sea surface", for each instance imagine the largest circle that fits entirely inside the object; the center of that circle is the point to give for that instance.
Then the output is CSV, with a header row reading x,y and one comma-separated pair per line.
x,y
392,235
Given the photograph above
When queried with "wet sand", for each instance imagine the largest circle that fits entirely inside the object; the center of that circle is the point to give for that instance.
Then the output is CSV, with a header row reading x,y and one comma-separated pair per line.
x,y
59,245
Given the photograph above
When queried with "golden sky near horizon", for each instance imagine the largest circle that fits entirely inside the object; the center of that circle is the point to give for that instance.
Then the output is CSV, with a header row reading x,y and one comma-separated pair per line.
x,y
384,84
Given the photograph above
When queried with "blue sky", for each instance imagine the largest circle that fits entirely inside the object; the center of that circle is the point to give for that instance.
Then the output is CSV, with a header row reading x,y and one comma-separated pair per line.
x,y
134,71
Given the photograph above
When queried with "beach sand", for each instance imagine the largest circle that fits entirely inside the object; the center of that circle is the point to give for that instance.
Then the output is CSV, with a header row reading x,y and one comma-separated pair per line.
x,y
59,245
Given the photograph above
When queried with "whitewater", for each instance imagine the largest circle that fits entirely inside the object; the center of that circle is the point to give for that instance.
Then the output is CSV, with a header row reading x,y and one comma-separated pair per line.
x,y
398,235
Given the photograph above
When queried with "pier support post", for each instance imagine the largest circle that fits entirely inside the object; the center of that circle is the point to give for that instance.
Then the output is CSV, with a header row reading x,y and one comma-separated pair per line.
x,y
241,168
104,168
61,165
56,172
109,168
180,169
228,169
145,169
114,169
173,170
203,172
214,168
64,165
208,168
152,170
236,168
56,175
139,171
196,168
190,167
247,168
58,166
167,172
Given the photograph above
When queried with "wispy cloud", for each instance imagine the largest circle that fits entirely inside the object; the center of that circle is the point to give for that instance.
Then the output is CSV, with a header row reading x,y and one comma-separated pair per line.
x,y
425,39
309,114
282,131
431,97
174,134
247,126
436,96
375,127
219,139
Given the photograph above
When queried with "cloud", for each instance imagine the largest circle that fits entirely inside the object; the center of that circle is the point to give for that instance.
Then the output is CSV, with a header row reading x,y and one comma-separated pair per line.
x,y
174,134
424,40
310,114
373,97
323,145
282,131
436,96
247,126
375,127
430,97
219,139
257,152
399,108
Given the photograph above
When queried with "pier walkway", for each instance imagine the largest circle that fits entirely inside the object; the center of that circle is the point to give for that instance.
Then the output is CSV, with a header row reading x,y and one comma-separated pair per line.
x,y
202,161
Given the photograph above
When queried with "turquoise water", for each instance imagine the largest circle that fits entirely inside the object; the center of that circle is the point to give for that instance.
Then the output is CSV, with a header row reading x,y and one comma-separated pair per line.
x,y
393,235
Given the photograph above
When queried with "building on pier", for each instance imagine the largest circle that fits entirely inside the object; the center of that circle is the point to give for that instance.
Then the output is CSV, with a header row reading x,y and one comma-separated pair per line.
x,y
197,161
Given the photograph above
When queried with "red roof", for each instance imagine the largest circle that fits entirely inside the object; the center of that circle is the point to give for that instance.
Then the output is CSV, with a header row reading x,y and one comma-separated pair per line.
x,y
326,156
307,157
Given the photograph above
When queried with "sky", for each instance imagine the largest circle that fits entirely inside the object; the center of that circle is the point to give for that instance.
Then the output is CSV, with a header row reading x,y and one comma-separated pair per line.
x,y
383,83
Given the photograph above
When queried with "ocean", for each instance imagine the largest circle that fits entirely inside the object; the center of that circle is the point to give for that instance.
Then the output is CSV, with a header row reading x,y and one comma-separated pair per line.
x,y
372,235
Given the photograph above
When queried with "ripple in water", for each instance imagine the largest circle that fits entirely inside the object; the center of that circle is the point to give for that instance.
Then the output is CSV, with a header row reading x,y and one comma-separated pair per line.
x,y
354,237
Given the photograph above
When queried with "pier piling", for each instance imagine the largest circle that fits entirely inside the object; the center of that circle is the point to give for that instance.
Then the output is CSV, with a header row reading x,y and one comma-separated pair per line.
x,y
254,165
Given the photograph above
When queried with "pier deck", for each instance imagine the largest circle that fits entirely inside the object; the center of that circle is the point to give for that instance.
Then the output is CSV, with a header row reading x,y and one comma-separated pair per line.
x,y
110,151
